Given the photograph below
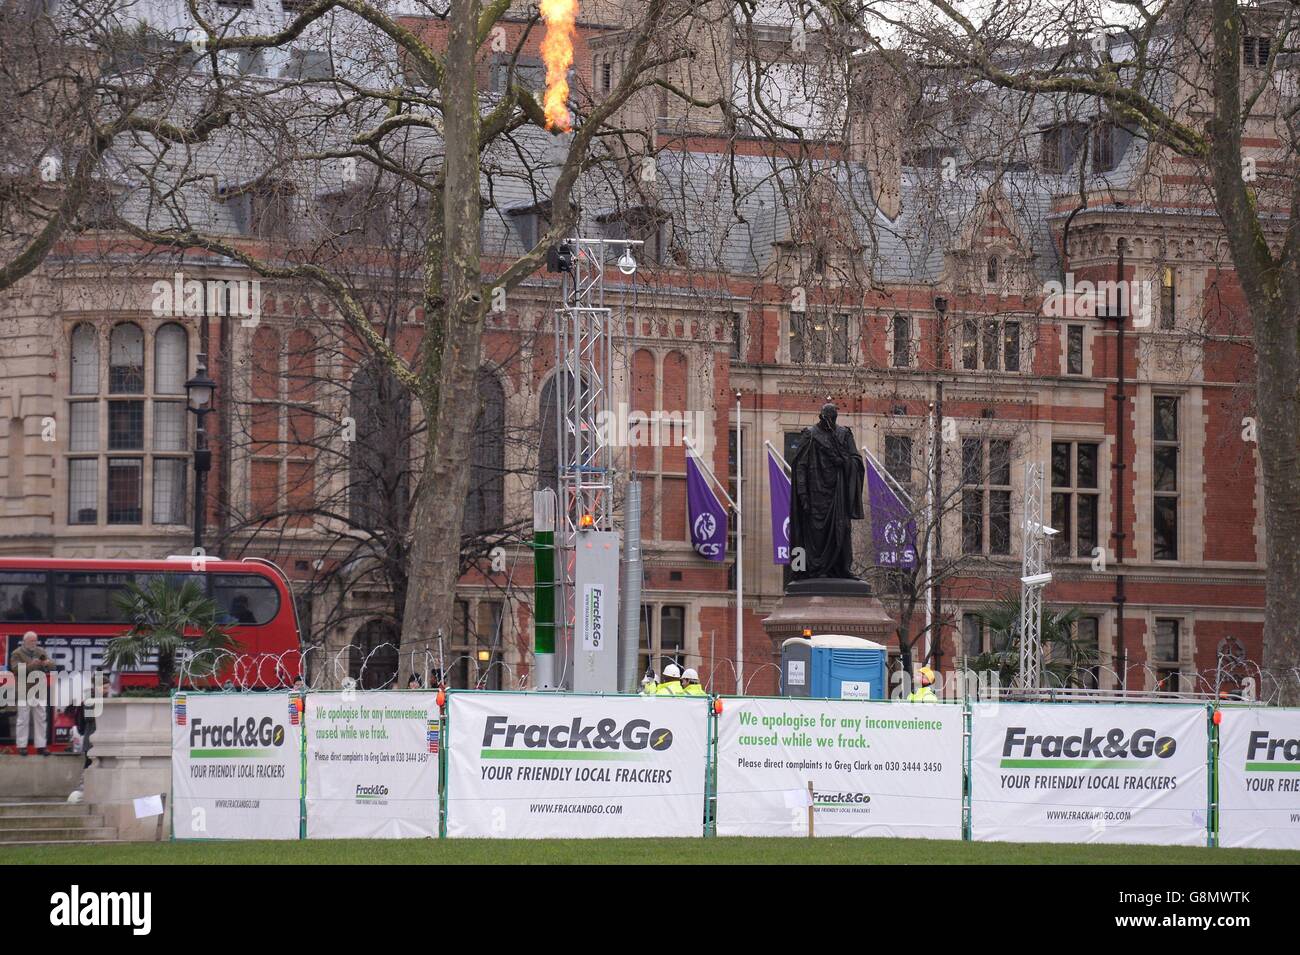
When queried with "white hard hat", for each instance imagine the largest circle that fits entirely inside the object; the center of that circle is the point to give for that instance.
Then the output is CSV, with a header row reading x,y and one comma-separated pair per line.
x,y
647,679
690,674
672,671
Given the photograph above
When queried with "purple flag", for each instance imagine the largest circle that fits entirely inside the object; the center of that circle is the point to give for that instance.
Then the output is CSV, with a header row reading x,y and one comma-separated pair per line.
x,y
893,531
779,487
708,516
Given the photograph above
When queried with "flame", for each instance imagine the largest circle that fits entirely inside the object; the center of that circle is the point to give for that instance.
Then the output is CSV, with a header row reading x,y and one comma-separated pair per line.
x,y
561,18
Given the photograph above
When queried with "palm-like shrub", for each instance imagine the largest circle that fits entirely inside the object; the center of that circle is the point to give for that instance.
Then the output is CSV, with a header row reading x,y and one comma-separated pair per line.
x,y
1065,657
161,613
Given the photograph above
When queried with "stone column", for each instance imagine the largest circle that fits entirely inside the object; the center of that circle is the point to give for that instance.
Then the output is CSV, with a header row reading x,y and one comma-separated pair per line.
x,y
131,750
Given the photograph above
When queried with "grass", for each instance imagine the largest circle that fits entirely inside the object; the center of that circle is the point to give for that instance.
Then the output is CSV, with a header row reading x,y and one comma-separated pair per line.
x,y
634,852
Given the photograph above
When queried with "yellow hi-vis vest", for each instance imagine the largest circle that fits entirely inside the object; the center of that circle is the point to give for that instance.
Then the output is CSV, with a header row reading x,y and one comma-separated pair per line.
x,y
649,689
694,690
671,688
922,695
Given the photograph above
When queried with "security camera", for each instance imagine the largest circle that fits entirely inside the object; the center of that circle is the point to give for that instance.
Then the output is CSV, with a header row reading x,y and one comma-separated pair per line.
x,y
1043,529
1037,580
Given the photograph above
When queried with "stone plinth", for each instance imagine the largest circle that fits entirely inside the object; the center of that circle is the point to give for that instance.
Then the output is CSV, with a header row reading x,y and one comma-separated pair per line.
x,y
39,777
829,606
131,750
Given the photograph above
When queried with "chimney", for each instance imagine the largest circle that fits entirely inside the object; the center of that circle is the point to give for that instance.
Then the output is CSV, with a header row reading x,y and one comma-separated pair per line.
x,y
876,105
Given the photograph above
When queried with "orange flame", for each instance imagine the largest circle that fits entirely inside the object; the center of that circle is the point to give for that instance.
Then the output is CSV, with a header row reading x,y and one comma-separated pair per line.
x,y
561,18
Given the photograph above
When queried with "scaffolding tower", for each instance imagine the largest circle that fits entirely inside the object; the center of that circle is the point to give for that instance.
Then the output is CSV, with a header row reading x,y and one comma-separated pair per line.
x,y
585,408
1034,579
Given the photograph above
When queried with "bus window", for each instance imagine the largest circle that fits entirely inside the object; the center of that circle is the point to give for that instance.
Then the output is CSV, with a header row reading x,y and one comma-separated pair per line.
x,y
88,597
22,595
245,599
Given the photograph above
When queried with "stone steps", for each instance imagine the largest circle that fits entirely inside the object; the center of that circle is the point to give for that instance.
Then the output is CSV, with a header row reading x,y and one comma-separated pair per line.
x,y
30,836
50,821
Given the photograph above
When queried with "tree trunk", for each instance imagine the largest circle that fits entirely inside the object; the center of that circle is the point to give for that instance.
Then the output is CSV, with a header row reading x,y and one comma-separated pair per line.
x,y
1270,288
438,512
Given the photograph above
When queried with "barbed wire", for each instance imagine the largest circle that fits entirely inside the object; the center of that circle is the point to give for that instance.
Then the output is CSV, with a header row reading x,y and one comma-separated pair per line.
x,y
380,666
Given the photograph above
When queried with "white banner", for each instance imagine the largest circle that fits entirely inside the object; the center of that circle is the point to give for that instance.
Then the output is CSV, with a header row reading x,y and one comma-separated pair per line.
x,y
236,765
372,765
530,766
877,769
1094,773
1259,778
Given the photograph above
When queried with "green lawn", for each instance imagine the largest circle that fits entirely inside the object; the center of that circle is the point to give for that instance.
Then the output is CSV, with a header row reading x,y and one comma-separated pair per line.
x,y
633,851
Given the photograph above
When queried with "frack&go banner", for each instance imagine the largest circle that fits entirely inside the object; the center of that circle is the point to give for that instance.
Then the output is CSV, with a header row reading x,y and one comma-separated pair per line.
x,y
1103,773
1259,777
236,765
372,765
550,766
877,769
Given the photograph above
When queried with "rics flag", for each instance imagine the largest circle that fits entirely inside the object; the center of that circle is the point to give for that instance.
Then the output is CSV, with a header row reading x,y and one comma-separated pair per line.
x,y
779,487
707,515
893,530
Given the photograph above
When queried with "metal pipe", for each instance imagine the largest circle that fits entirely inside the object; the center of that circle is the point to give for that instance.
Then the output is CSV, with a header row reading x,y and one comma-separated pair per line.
x,y
1118,466
629,631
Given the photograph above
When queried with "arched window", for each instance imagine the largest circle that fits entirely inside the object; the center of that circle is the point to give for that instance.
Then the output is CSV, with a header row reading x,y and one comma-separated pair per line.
x,y
380,465
84,378
126,360
484,504
548,454
373,658
991,270
171,359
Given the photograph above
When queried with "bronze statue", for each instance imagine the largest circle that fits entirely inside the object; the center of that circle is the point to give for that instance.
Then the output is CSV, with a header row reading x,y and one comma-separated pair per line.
x,y
826,476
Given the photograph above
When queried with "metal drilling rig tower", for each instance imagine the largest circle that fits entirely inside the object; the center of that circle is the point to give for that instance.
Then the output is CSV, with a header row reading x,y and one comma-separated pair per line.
x,y
587,547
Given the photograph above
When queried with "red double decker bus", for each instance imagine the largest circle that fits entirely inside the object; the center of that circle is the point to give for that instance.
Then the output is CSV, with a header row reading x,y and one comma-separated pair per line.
x,y
70,606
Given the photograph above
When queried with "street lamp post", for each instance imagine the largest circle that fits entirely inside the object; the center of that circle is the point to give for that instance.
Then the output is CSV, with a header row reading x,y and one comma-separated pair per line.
x,y
199,391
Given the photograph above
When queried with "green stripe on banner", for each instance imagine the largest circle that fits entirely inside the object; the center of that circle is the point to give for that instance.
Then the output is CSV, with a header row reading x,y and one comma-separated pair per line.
x,y
1273,768
558,754
1071,763
230,753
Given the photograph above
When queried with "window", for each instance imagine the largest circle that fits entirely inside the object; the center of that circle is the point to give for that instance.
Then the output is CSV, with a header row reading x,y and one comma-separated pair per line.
x,y
484,504
1167,303
991,270
1103,147
818,338
986,496
84,379
993,345
265,209
373,657
977,637
151,424
126,360
379,479
1086,638
529,72
902,335
309,65
662,638
898,460
1255,50
737,340
1075,498
1074,350
245,599
1164,479
1167,655
489,618
1061,145
23,595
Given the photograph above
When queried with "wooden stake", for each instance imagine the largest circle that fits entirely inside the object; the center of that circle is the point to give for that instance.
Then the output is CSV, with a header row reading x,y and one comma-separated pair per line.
x,y
811,798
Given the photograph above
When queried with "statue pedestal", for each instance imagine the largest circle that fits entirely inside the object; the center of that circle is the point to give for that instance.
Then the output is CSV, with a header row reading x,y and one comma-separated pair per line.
x,y
829,605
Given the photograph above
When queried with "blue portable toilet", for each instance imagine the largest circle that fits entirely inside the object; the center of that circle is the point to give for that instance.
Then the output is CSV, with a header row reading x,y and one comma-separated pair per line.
x,y
833,666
